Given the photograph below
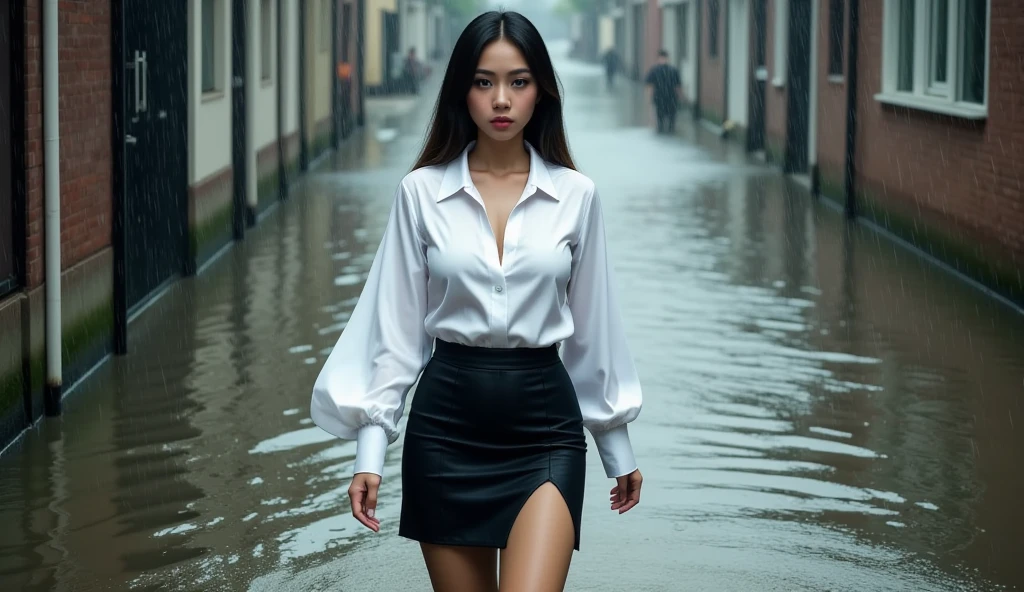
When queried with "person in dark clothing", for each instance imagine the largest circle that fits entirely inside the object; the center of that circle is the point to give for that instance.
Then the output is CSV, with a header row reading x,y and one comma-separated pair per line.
x,y
611,65
666,92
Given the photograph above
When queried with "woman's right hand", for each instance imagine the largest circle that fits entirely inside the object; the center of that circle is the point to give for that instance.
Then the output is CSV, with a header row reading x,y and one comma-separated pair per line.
x,y
363,495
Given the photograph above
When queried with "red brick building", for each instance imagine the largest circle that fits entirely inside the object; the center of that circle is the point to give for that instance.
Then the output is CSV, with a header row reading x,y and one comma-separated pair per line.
x,y
163,159
934,95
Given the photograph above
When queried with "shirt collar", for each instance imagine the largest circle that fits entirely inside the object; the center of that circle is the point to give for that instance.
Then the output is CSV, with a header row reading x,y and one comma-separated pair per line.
x,y
457,177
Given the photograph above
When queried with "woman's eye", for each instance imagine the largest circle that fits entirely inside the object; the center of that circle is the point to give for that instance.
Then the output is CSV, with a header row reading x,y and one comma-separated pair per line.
x,y
520,82
481,82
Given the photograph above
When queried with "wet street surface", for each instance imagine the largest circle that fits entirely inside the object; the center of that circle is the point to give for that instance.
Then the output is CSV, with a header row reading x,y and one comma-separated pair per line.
x,y
824,410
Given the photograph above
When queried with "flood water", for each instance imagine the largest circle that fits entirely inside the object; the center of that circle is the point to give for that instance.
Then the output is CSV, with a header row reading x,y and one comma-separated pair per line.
x,y
824,410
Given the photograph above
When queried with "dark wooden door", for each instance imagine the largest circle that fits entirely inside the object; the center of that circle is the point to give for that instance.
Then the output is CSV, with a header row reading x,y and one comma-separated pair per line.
x,y
392,63
7,257
156,145
755,137
243,215
799,85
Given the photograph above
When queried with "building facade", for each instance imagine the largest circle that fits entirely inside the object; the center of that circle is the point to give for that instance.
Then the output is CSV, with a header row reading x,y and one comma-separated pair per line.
x,y
394,27
167,154
908,113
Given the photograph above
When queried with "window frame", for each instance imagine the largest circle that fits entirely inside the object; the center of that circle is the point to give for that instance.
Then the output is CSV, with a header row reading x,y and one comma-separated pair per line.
x,y
924,94
780,43
837,39
217,46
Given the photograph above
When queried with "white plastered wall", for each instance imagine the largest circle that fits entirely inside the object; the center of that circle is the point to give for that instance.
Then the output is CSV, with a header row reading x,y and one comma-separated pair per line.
x,y
209,114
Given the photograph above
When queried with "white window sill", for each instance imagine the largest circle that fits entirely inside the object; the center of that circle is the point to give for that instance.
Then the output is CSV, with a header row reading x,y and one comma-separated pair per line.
x,y
837,78
962,110
210,96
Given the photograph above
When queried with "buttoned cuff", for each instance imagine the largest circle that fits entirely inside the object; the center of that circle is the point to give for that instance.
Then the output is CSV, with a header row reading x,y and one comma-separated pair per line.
x,y
616,451
371,446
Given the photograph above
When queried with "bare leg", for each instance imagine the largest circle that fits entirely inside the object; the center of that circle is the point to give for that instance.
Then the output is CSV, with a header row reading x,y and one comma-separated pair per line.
x,y
461,569
540,546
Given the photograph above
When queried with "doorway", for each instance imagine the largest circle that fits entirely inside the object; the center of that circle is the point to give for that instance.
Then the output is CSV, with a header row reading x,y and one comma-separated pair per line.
x,y
155,206
243,214
8,272
639,16
345,82
391,51
738,62
799,81
756,130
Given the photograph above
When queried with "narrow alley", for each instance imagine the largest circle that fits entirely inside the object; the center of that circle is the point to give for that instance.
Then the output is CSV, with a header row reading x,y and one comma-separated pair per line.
x,y
824,409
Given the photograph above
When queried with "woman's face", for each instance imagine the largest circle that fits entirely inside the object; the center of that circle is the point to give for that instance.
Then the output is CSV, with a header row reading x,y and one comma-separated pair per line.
x,y
503,94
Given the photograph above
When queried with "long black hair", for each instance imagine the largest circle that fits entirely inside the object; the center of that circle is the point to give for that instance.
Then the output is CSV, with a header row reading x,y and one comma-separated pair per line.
x,y
452,128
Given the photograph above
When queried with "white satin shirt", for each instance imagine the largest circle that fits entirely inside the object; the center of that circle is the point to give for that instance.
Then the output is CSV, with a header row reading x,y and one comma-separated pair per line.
x,y
436,274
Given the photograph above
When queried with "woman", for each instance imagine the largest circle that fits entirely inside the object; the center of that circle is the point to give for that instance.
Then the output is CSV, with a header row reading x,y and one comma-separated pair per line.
x,y
493,256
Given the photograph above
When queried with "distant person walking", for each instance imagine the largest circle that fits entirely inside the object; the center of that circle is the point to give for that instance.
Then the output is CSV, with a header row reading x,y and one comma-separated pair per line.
x,y
665,89
611,65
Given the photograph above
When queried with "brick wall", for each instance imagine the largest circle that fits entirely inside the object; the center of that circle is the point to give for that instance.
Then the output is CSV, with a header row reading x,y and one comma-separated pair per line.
x,y
712,69
962,177
85,128
831,140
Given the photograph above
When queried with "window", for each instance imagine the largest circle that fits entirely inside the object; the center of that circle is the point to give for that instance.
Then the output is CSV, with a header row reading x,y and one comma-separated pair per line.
x,y
781,42
212,45
836,27
935,55
325,25
713,14
266,41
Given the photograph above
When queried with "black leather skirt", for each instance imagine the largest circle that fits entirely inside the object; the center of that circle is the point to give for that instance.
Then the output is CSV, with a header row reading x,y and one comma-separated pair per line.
x,y
486,428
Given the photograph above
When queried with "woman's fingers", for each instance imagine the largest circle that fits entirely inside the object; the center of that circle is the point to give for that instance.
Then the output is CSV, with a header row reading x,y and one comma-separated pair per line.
x,y
364,489
626,493
618,494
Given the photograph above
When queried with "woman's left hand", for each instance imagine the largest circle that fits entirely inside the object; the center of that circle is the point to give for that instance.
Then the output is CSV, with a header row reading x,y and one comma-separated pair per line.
x,y
626,492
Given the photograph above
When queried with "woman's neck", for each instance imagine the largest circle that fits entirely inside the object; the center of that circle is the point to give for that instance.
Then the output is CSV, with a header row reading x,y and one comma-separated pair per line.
x,y
499,158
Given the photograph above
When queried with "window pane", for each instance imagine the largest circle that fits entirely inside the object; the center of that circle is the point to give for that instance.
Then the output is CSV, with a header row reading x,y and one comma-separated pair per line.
x,y
972,59
209,59
905,72
939,40
837,24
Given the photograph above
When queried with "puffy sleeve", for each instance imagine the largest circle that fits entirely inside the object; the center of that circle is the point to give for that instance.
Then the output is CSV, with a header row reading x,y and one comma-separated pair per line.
x,y
597,356
361,391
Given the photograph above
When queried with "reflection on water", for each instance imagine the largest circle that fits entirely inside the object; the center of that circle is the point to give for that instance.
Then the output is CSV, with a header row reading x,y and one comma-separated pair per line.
x,y
823,410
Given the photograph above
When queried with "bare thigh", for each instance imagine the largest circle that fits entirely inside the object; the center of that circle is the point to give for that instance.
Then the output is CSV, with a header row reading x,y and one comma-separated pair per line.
x,y
461,569
540,546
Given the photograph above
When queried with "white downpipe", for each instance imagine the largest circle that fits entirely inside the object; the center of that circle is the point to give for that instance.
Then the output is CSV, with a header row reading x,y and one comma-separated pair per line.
x,y
51,167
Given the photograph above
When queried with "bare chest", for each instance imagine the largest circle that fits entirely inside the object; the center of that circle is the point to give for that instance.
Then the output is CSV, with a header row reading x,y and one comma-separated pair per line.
x,y
500,196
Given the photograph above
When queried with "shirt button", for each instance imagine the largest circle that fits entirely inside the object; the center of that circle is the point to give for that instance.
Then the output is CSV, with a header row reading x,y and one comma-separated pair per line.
x,y
497,288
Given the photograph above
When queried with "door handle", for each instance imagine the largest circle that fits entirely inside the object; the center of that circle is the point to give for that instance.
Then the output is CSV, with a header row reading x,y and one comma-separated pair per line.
x,y
138,83
145,82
